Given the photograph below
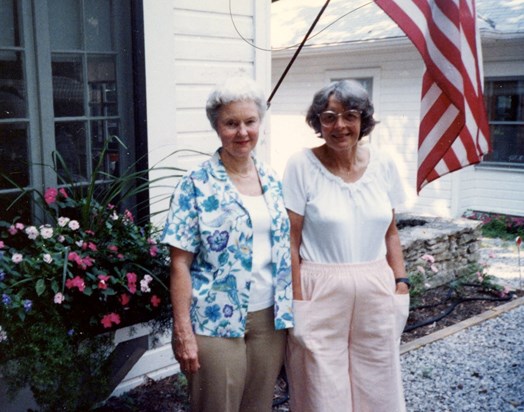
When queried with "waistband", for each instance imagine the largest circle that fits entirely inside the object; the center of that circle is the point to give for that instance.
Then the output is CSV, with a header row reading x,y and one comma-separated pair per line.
x,y
344,268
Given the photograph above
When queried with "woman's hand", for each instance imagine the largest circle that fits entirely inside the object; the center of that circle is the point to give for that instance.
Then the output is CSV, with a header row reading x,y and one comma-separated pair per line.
x,y
185,349
401,288
183,342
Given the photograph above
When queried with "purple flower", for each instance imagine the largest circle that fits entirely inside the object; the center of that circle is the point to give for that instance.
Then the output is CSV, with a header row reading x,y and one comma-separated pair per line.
x,y
2,276
227,311
218,240
27,305
6,300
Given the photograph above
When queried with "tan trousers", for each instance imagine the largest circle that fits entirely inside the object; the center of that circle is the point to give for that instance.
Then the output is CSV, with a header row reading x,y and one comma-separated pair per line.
x,y
239,374
343,354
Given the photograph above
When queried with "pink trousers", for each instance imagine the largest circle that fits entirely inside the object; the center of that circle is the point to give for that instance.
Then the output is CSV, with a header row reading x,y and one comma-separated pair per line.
x,y
343,353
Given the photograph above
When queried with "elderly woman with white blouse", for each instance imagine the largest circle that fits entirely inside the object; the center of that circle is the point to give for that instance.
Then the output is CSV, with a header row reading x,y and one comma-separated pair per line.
x,y
228,232
350,289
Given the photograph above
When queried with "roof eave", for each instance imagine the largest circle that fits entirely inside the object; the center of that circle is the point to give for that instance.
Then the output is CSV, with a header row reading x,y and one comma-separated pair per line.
x,y
384,44
359,45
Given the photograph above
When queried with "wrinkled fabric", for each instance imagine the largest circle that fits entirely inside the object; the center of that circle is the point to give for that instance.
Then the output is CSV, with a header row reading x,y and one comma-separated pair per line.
x,y
343,354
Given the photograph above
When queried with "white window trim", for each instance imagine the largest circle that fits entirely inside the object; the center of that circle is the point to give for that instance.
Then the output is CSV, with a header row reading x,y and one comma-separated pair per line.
x,y
373,72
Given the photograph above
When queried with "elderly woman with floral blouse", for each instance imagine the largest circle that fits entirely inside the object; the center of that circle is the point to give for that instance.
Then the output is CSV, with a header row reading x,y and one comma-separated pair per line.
x,y
228,233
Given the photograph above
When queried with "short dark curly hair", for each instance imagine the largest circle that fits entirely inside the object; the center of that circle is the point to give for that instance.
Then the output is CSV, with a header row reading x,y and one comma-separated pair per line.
x,y
352,95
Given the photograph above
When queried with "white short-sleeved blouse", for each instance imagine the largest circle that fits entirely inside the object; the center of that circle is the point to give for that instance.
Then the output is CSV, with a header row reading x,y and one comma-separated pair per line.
x,y
343,222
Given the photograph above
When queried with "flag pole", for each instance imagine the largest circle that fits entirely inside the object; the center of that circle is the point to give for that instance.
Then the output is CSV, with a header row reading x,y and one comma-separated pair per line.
x,y
296,53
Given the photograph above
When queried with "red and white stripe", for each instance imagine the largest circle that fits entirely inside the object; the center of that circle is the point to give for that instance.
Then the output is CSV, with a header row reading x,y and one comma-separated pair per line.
x,y
454,130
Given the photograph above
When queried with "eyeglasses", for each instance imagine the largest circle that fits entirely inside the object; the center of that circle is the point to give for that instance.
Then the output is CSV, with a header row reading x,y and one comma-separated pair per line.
x,y
329,118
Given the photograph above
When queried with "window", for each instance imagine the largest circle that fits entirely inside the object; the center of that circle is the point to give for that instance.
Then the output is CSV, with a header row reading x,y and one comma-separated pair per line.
x,y
66,85
505,106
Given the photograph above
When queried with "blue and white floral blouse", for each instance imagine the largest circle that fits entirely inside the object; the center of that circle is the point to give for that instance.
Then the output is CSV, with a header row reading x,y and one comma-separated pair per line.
x,y
207,218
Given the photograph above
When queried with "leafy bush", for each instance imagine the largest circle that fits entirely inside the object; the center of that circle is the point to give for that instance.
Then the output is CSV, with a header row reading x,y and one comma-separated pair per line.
x,y
65,282
497,225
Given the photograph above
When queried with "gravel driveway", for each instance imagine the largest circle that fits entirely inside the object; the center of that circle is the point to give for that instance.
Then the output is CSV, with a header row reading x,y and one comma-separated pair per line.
x,y
479,369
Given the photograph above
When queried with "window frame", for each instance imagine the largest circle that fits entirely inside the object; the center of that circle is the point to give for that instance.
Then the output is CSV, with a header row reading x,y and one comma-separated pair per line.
x,y
40,118
501,165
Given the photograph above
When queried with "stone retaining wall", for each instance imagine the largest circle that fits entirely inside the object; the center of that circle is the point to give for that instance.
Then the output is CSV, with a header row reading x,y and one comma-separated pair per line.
x,y
453,243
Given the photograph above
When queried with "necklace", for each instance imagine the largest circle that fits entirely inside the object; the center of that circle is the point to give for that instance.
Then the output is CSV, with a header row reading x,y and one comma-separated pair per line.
x,y
238,174
235,173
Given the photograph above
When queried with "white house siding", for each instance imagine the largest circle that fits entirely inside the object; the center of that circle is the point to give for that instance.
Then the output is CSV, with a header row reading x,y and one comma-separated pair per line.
x,y
190,46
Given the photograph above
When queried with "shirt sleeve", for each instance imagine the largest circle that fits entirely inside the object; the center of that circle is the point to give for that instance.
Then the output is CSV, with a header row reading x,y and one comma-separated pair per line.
x,y
181,229
294,189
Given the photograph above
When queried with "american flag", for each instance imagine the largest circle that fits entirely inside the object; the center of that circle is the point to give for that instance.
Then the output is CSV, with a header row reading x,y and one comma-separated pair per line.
x,y
454,130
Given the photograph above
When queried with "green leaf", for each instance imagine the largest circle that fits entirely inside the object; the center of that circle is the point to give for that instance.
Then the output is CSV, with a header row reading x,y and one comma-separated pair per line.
x,y
40,287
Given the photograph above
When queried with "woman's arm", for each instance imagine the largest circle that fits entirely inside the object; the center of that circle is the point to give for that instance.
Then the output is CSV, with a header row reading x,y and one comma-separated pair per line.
x,y
297,221
184,341
395,256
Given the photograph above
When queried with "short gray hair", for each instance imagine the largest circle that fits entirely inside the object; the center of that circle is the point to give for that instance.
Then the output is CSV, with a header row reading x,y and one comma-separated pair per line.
x,y
234,89
352,95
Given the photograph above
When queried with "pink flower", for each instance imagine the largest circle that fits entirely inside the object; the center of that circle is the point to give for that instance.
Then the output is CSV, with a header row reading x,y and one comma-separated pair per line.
x,y
63,221
124,299
82,263
155,301
109,319
19,226
428,258
63,192
87,262
76,282
46,231
153,251
17,257
128,216
504,292
131,282
2,244
112,248
73,257
73,225
12,230
144,286
102,283
50,195
120,256
32,232
59,298
434,268
90,245
90,232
